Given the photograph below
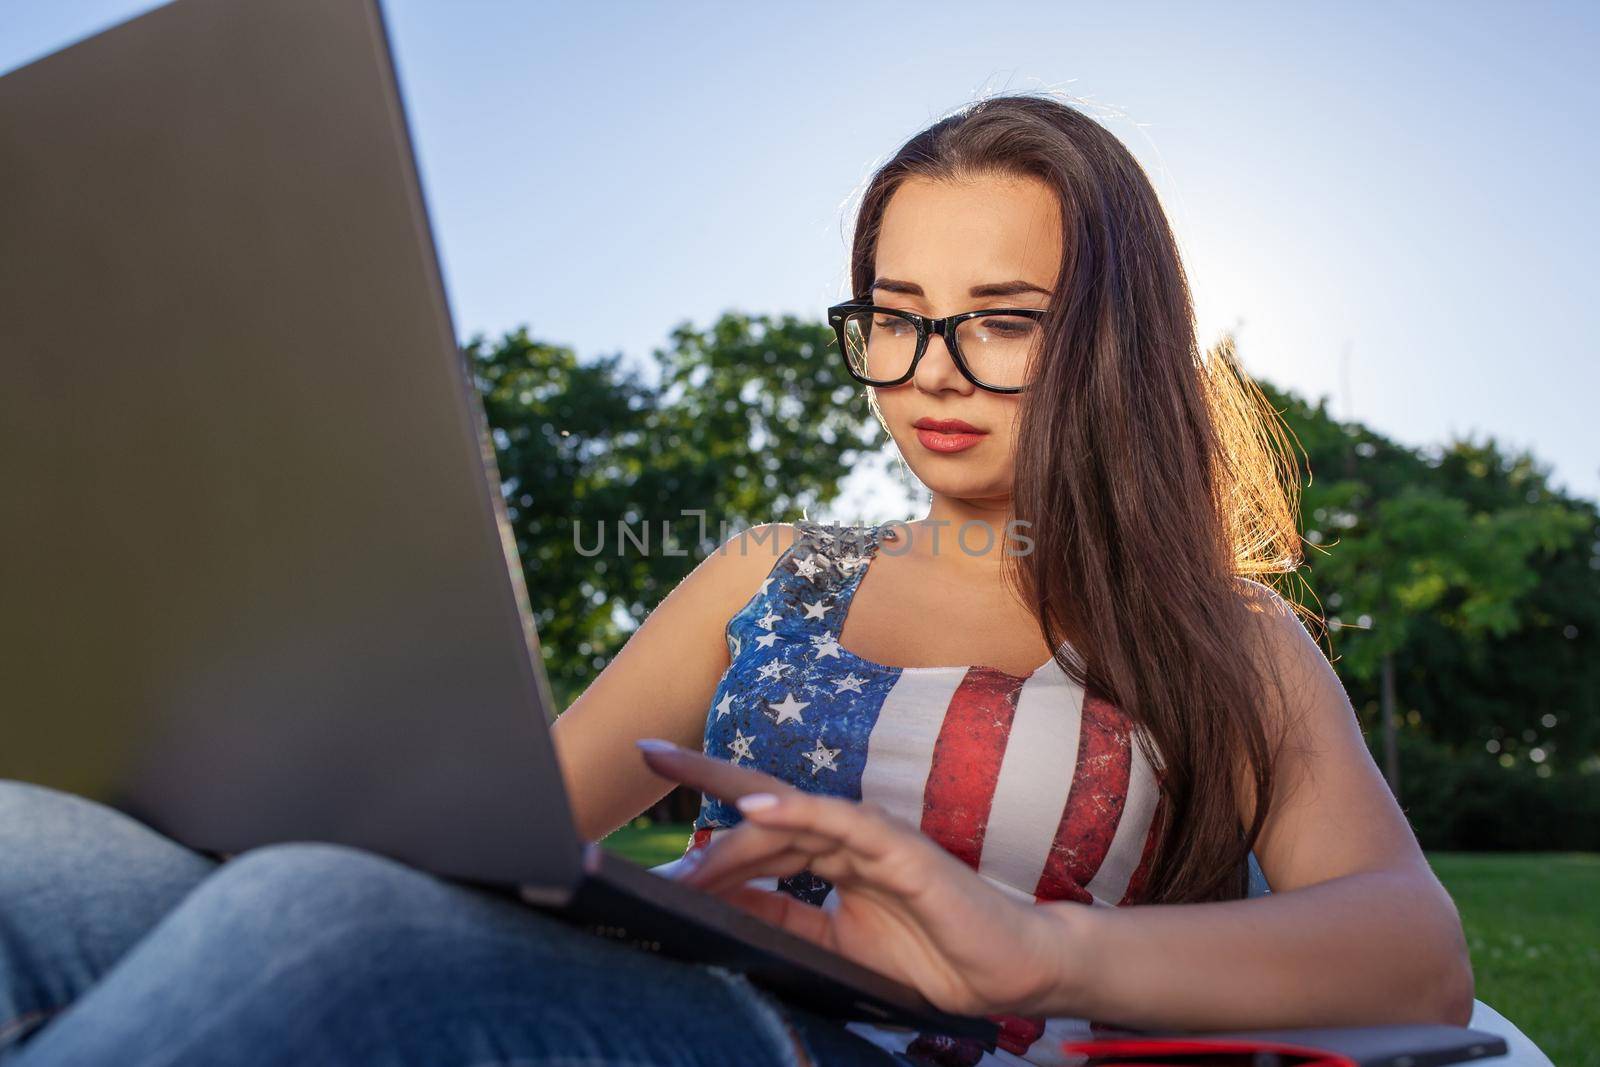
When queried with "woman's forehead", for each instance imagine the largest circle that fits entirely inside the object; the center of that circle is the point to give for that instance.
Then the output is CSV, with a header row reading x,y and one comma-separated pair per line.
x,y
950,236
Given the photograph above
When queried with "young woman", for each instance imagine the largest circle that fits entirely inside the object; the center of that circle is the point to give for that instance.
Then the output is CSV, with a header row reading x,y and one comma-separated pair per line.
x,y
1016,754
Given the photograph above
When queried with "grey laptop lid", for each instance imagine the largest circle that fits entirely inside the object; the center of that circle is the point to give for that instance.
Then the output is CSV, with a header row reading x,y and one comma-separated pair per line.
x,y
256,581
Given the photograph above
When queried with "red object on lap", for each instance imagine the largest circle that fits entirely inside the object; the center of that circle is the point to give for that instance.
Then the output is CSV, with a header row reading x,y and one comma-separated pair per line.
x,y
1221,1052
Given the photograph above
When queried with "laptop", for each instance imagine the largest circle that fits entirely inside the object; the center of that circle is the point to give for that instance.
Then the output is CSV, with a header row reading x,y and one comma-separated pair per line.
x,y
258,576
259,581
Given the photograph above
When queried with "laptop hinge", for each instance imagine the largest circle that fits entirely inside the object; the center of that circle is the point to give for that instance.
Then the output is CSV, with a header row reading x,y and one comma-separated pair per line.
x,y
560,896
545,896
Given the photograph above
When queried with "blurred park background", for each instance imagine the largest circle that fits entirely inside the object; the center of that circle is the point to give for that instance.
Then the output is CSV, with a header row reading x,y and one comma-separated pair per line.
x,y
643,209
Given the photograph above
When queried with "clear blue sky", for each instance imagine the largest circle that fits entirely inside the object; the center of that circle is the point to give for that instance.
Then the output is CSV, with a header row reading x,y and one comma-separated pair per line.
x,y
1392,203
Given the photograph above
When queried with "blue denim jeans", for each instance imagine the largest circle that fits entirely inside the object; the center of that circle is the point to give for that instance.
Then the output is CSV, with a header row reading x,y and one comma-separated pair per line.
x,y
119,946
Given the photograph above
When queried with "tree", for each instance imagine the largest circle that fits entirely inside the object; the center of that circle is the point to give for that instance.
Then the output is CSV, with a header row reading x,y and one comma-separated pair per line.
x,y
751,420
1422,554
1432,564
1462,591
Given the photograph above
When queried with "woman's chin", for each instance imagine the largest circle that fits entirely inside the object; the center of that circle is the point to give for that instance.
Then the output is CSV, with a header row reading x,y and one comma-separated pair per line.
x,y
944,479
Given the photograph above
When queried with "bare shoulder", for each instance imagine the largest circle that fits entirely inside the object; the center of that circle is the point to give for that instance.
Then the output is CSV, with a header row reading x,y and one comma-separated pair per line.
x,y
733,572
1301,680
660,683
761,545
1278,626
1266,601
717,587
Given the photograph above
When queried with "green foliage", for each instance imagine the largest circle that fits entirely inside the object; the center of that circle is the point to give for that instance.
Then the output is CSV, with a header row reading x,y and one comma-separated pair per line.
x,y
1463,564
1472,571
1467,800
752,420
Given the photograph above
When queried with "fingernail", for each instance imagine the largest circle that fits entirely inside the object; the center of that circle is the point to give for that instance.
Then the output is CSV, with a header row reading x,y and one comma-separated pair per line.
x,y
689,863
757,801
656,744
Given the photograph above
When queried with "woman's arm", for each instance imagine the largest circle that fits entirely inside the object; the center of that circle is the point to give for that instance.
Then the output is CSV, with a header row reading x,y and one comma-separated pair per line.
x,y
1356,930
659,684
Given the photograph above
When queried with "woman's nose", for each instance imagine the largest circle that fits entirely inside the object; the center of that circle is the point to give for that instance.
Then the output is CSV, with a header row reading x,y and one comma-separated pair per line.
x,y
937,370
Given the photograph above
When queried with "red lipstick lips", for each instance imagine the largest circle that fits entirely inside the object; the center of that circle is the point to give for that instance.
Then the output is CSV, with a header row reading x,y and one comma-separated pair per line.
x,y
947,435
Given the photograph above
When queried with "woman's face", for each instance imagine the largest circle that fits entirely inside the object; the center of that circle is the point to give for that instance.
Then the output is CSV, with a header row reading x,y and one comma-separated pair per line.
x,y
940,246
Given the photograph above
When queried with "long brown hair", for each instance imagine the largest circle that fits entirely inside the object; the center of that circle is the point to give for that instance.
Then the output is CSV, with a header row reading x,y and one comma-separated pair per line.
x,y
1151,478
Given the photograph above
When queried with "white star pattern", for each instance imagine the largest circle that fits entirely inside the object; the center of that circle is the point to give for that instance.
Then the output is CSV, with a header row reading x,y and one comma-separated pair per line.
x,y
740,745
821,758
809,568
850,682
788,709
786,674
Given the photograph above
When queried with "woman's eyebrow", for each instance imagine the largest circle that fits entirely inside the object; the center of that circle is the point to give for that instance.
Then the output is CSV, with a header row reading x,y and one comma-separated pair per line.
x,y
1012,288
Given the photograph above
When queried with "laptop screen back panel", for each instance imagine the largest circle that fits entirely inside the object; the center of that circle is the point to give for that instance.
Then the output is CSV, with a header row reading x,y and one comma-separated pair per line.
x,y
258,579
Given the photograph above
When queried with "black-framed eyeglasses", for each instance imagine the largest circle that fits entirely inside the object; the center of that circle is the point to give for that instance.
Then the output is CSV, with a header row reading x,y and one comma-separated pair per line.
x,y
994,348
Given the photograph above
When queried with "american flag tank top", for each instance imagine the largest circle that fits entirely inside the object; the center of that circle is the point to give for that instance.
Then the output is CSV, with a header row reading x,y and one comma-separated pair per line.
x,y
1035,783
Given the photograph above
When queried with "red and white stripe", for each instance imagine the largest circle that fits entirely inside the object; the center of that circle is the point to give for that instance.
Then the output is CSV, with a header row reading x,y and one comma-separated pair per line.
x,y
1038,785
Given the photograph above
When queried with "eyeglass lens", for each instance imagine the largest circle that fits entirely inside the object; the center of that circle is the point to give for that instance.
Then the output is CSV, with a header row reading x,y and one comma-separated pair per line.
x,y
998,349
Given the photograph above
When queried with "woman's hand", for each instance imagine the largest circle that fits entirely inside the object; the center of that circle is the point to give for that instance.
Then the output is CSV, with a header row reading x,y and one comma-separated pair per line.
x,y
906,908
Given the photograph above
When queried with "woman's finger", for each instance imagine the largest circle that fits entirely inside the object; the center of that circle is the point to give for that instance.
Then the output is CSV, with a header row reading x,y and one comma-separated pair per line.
x,y
832,865
782,864
873,846
749,850
754,853
785,911
864,828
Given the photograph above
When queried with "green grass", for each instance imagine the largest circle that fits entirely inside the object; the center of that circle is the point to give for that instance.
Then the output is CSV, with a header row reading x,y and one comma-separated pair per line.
x,y
649,844
1533,926
1532,921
